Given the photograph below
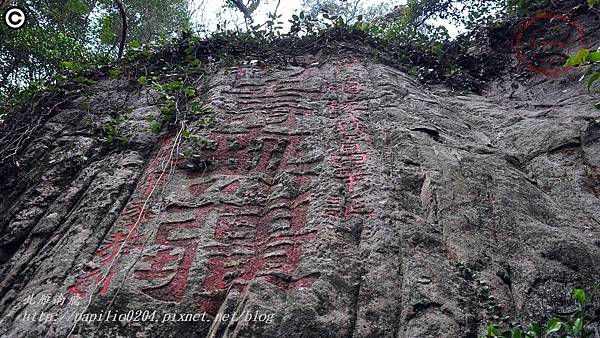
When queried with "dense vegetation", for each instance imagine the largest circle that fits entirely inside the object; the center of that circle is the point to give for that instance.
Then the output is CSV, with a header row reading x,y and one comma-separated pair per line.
x,y
85,31
90,32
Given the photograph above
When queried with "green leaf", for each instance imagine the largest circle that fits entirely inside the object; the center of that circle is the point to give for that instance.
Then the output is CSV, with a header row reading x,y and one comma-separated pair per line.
x,y
68,65
517,333
535,330
76,7
552,326
155,127
578,59
593,79
577,326
106,29
190,91
175,85
83,80
142,80
592,3
571,61
134,44
493,331
583,55
579,295
594,57
146,53
116,73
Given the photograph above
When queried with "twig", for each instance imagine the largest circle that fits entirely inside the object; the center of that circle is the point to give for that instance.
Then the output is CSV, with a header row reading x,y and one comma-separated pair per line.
x,y
123,13
276,8
240,5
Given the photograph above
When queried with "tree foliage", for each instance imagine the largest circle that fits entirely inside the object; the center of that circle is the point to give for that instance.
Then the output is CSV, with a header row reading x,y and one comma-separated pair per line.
x,y
350,10
83,31
90,31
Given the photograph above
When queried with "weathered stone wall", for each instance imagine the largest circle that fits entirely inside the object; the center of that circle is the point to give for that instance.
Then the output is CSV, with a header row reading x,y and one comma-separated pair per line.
x,y
336,198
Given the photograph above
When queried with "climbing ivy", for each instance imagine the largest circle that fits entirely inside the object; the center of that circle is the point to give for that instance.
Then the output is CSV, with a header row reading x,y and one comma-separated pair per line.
x,y
575,324
114,130
585,57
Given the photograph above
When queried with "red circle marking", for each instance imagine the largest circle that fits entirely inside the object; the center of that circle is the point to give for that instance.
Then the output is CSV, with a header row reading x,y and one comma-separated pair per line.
x,y
520,41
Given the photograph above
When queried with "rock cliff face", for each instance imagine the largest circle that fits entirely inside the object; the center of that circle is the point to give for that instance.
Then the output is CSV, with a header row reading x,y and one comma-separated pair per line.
x,y
335,198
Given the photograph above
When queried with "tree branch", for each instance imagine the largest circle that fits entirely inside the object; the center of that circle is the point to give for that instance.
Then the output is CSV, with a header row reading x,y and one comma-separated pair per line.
x,y
121,8
276,8
240,5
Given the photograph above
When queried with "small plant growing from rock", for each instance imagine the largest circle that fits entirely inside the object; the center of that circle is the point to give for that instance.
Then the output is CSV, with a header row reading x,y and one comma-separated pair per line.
x,y
113,130
585,57
574,324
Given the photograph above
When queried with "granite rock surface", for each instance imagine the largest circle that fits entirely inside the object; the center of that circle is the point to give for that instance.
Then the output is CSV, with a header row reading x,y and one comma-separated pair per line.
x,y
335,198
